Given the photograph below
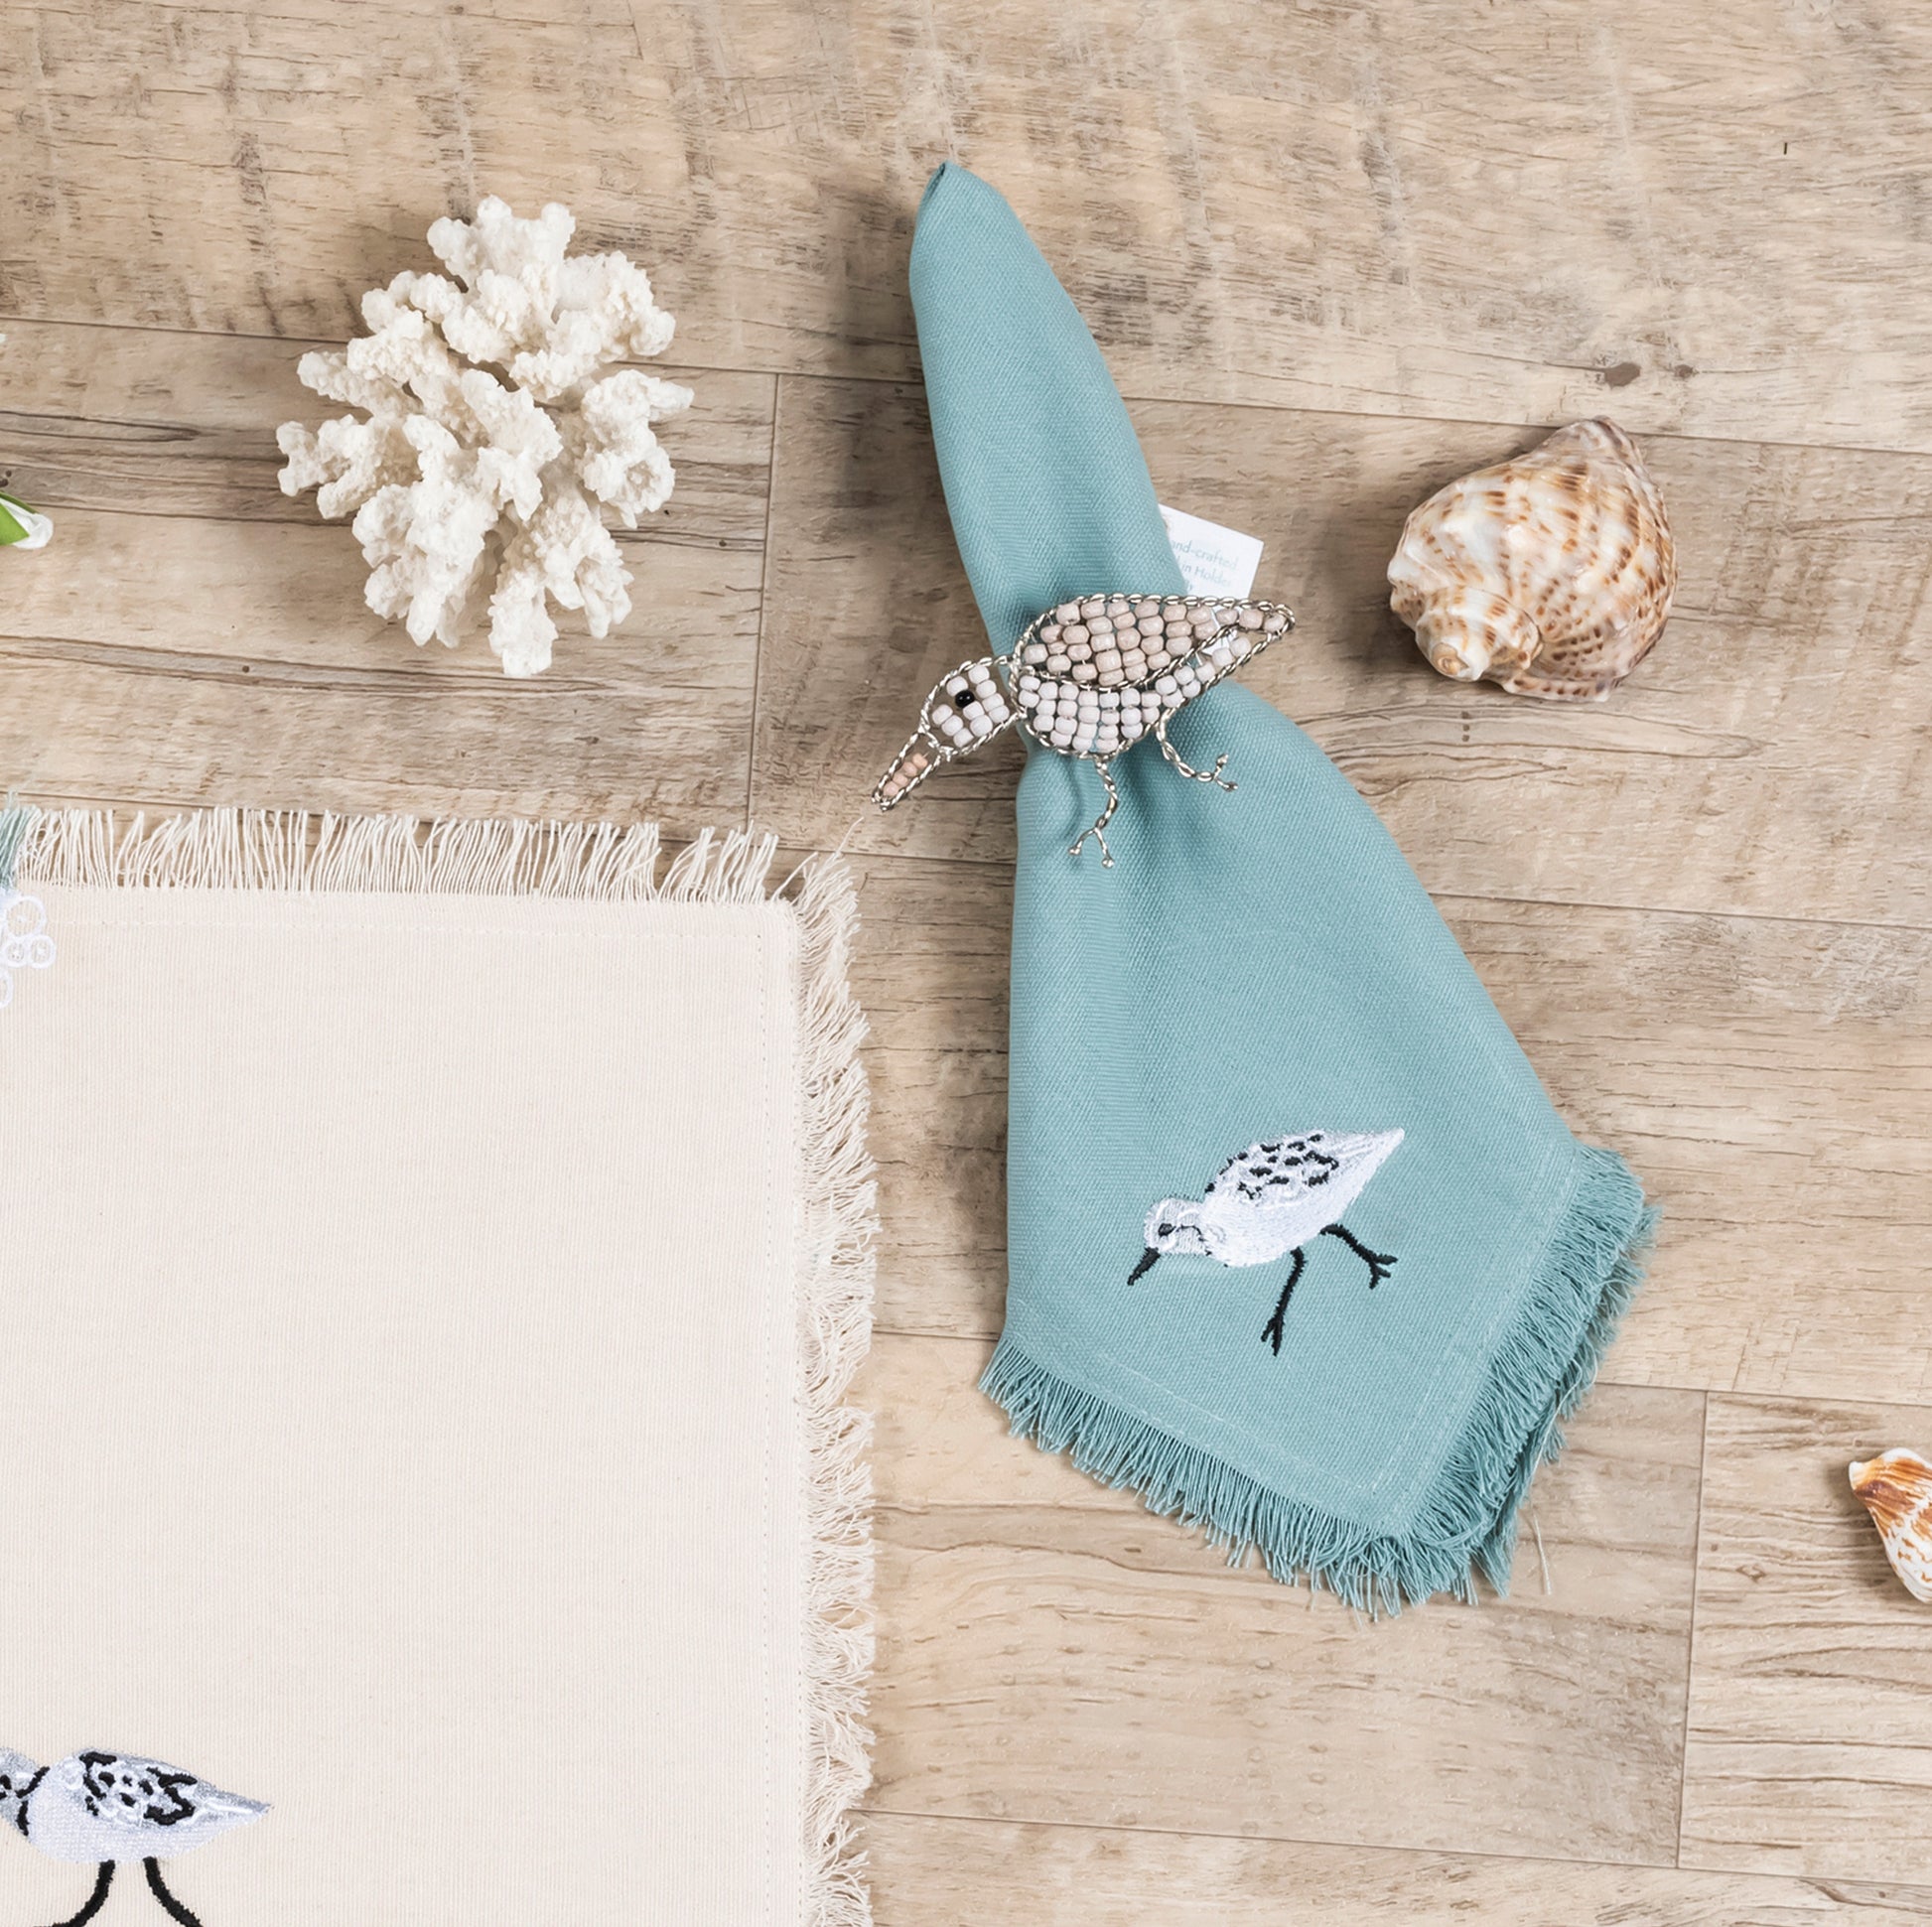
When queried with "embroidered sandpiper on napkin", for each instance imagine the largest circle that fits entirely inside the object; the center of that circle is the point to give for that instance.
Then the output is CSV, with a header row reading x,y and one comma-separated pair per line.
x,y
434,1260
1299,1248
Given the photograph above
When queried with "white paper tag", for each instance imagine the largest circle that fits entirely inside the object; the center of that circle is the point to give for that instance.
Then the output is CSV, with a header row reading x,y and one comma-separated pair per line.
x,y
1214,561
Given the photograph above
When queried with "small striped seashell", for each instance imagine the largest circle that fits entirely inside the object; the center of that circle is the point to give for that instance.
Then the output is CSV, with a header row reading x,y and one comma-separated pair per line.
x,y
1896,1488
1550,574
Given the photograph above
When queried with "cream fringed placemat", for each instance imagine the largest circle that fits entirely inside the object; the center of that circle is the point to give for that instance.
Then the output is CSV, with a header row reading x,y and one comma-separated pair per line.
x,y
434,1260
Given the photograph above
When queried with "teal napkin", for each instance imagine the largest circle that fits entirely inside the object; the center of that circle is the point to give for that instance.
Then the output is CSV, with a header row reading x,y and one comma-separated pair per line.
x,y
1216,1045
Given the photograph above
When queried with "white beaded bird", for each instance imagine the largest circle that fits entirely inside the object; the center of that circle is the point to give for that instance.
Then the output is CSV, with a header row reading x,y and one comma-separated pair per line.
x,y
1269,1202
108,1808
1089,679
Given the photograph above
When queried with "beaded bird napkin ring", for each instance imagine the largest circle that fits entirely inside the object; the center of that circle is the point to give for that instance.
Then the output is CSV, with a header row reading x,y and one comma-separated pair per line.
x,y
1089,679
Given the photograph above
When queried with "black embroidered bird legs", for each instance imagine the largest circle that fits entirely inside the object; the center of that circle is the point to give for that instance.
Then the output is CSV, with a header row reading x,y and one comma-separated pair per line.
x,y
1378,1264
158,1888
1272,1330
95,1901
156,1885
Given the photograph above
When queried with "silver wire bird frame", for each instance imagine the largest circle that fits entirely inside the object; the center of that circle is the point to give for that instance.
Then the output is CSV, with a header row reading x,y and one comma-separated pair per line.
x,y
1043,685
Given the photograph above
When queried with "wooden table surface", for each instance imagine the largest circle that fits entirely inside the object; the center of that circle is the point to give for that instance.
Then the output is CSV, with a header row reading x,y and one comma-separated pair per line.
x,y
1335,253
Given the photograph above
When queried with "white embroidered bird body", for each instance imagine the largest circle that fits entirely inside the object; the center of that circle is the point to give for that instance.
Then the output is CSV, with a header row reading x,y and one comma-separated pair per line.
x,y
1269,1201
1273,1198
112,1808
99,1806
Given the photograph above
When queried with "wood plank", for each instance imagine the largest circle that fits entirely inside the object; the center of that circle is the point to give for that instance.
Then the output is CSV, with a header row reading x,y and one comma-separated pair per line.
x,y
1703,222
1772,1083
182,642
1050,1651
1496,215
1770,1078
170,424
930,969
943,1872
1810,1747
1767,759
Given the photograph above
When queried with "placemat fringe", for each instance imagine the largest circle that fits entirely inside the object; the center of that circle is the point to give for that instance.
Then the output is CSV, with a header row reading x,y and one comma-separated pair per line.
x,y
236,848
836,1298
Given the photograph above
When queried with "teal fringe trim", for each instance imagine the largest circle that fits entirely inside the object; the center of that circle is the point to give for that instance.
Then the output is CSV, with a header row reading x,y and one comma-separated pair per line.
x,y
1587,1275
16,819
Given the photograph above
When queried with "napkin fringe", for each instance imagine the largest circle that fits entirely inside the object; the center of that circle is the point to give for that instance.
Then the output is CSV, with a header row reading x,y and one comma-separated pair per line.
x,y
1587,1275
229,849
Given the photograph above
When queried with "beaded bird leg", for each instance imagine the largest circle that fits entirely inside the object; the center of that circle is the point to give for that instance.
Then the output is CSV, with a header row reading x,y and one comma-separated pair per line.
x,y
1185,768
1098,828
1089,679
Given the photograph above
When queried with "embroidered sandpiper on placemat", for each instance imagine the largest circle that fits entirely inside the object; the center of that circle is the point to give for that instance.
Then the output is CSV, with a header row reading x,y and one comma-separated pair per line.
x,y
434,1260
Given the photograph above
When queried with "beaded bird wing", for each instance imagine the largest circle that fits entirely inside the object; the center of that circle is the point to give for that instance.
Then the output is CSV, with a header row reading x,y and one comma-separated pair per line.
x,y
1089,679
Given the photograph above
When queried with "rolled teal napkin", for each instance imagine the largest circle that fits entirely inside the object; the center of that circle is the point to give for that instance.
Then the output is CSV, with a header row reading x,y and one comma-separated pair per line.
x,y
1299,1248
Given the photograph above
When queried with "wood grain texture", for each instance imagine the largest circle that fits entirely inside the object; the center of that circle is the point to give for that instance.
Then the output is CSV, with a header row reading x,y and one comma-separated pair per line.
x,y
1052,1651
1769,1077
941,1872
158,424
209,663
1493,213
1810,1742
1339,253
1767,759
195,636
930,969
1772,1082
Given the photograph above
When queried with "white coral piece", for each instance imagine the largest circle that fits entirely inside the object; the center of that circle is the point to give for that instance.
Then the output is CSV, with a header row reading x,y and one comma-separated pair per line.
x,y
495,433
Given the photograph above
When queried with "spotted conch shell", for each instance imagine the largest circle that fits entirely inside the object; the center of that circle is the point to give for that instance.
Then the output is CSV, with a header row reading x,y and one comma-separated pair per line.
x,y
1550,574
1896,1488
